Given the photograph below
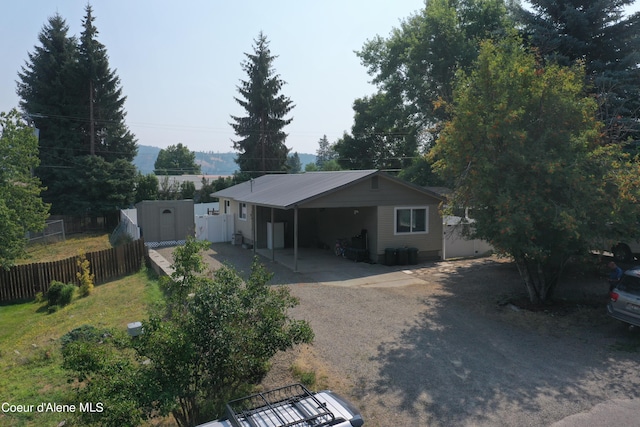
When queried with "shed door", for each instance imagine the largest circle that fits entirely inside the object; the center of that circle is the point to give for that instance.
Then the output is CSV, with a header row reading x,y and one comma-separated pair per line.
x,y
167,225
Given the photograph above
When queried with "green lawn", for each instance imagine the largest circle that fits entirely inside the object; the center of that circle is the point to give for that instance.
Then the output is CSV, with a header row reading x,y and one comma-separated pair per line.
x,y
30,358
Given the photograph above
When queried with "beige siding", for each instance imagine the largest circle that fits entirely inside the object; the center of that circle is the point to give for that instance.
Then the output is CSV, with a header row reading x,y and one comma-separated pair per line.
x,y
429,244
177,223
240,225
389,193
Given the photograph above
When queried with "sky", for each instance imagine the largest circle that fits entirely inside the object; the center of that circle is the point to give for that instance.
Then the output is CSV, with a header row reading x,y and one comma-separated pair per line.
x,y
179,62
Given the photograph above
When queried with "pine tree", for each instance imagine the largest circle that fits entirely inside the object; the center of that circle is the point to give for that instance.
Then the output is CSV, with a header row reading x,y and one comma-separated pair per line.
x,y
325,152
76,101
596,33
105,131
262,146
46,87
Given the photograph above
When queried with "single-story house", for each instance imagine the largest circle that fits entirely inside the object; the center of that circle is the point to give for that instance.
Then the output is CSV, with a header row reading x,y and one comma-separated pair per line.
x,y
315,209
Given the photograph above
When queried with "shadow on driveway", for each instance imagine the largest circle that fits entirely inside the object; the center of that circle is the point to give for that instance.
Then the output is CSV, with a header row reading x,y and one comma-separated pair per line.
x,y
469,361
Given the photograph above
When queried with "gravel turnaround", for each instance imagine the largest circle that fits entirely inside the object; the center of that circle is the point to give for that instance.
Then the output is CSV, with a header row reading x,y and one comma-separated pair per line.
x,y
452,351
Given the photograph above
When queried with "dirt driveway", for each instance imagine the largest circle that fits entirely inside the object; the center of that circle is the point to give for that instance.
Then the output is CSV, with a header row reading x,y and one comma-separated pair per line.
x,y
452,351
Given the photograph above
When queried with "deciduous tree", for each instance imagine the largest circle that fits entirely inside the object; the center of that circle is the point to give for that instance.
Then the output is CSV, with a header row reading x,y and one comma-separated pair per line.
x,y
380,137
261,145
415,66
523,148
176,160
21,207
211,342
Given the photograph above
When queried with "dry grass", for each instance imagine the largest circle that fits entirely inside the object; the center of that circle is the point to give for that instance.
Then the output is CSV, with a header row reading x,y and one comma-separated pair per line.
x,y
72,246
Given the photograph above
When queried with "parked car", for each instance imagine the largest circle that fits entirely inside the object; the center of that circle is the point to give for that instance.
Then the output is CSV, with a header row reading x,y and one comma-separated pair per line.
x,y
624,301
624,251
292,405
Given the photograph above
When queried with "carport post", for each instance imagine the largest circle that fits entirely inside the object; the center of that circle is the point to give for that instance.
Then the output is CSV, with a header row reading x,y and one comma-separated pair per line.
x,y
254,211
295,239
273,232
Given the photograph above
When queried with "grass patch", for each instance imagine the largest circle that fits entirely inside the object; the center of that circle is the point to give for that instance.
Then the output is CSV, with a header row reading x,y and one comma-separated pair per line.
x,y
306,377
72,246
30,358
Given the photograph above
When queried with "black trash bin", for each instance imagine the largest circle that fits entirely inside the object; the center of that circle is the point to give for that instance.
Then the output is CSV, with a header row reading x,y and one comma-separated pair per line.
x,y
413,256
402,256
390,256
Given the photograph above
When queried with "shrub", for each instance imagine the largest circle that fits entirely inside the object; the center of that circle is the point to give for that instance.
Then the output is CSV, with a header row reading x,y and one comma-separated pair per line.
x,y
84,275
39,298
60,294
86,333
67,294
53,295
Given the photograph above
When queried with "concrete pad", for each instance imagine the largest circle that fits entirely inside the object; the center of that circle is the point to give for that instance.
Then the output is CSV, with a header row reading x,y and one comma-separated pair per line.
x,y
160,264
617,412
386,280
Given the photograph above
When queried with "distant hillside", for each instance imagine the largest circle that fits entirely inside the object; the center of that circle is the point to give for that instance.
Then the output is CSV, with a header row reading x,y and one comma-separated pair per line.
x,y
210,162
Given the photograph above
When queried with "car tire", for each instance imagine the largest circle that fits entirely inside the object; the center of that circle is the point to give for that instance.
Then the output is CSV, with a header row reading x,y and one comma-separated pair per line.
x,y
621,253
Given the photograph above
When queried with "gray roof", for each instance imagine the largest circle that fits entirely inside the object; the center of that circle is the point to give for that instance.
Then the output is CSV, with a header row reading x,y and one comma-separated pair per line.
x,y
284,191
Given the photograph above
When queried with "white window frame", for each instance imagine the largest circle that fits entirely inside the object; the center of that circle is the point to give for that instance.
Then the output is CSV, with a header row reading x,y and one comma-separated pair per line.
x,y
242,211
227,207
412,209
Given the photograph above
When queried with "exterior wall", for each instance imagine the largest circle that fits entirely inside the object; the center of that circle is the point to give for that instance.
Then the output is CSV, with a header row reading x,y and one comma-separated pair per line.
x,y
166,220
387,193
345,223
429,245
242,226
344,213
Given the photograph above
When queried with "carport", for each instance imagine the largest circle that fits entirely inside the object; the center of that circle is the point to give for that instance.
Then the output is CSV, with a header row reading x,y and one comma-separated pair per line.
x,y
313,210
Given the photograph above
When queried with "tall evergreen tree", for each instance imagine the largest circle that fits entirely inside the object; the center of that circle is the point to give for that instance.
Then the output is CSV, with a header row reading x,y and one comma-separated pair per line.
x,y
596,33
293,163
76,101
105,131
325,152
262,146
46,87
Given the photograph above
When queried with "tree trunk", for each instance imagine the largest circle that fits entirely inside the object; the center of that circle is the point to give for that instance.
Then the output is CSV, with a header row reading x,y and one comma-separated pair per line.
x,y
540,278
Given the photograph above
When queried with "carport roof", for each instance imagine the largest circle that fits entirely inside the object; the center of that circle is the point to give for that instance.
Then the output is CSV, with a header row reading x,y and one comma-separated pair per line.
x,y
284,191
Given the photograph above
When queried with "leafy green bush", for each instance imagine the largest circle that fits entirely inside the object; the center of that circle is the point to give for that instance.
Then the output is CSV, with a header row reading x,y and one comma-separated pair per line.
x,y
53,295
60,294
84,333
66,295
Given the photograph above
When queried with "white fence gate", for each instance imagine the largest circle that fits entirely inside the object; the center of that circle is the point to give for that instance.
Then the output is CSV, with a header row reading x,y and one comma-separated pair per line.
x,y
215,228
454,245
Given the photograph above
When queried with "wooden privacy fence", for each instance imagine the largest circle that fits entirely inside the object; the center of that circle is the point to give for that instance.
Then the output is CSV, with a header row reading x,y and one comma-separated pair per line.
x,y
25,281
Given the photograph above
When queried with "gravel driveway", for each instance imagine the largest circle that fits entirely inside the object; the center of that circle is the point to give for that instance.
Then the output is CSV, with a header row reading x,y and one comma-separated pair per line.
x,y
453,352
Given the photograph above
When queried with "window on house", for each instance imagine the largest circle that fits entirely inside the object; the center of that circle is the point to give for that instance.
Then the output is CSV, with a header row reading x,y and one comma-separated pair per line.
x,y
412,220
227,205
242,211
